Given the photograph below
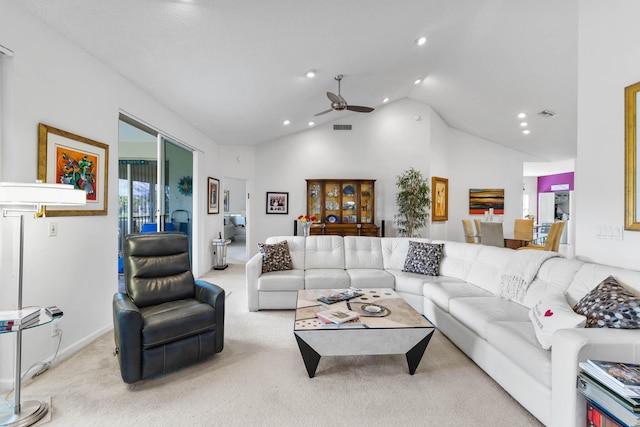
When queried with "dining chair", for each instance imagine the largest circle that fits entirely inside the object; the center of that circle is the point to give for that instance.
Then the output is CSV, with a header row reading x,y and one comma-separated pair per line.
x,y
552,240
469,235
492,234
477,222
523,229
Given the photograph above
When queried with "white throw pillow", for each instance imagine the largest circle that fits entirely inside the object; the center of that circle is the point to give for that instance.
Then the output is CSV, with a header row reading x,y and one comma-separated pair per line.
x,y
551,313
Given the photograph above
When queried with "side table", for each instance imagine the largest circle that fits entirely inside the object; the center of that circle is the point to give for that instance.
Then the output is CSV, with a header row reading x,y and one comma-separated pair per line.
x,y
31,411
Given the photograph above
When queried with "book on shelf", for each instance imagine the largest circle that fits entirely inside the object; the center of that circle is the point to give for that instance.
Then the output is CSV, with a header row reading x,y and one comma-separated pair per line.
x,y
608,406
17,317
624,378
587,381
597,417
337,315
22,325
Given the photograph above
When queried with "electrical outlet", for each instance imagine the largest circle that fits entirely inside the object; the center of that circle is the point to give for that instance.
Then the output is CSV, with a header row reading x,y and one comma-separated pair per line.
x,y
55,329
53,229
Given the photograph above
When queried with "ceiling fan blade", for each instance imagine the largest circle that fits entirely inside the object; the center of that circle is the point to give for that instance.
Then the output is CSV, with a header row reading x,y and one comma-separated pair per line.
x,y
342,100
360,109
333,97
324,112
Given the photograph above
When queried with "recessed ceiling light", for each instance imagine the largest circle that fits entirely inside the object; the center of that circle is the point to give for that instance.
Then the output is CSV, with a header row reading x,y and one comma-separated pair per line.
x,y
286,122
524,124
417,81
421,40
522,115
385,100
312,123
311,74
526,131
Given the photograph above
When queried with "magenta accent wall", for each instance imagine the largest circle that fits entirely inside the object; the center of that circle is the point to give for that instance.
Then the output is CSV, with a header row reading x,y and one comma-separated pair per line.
x,y
545,182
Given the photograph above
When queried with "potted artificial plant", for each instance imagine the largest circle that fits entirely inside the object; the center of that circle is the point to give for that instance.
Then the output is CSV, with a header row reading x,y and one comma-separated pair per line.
x,y
413,200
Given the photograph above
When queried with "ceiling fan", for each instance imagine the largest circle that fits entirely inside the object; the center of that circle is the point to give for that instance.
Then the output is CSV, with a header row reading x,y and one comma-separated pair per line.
x,y
338,103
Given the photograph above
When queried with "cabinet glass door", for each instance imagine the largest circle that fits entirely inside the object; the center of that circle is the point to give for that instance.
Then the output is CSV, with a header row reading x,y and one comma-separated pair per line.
x,y
366,203
314,200
349,203
333,202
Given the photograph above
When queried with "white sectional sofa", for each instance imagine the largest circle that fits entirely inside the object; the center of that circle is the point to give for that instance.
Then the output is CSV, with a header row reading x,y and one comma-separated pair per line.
x,y
495,332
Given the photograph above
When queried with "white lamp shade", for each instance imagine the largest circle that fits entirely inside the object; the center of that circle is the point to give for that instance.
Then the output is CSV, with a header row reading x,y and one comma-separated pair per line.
x,y
19,193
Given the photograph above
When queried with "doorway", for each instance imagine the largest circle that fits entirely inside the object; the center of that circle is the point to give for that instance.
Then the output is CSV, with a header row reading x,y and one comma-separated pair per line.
x,y
236,223
155,176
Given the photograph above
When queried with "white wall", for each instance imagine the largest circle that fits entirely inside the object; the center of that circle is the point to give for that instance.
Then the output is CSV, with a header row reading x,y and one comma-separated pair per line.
x,y
478,163
381,146
608,61
60,85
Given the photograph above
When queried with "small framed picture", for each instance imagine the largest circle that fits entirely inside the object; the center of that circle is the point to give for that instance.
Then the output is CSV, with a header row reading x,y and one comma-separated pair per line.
x,y
225,204
213,196
277,202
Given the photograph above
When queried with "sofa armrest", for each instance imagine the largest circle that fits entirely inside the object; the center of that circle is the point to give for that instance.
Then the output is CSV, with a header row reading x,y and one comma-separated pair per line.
x,y
571,346
213,295
127,331
254,270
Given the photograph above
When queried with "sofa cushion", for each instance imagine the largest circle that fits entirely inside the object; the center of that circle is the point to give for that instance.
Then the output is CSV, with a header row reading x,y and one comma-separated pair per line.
x,y
362,252
476,313
370,278
288,280
458,258
326,278
324,252
554,276
275,257
443,291
517,341
590,275
423,258
486,270
551,313
610,305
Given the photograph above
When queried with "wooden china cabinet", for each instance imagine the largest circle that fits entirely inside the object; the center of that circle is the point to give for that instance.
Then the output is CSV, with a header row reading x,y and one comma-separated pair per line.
x,y
343,207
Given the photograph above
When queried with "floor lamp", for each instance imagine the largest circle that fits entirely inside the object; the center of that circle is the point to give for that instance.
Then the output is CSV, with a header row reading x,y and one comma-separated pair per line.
x,y
20,199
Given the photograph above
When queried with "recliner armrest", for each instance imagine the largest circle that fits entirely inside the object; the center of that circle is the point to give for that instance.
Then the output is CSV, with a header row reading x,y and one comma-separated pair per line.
x,y
213,295
127,329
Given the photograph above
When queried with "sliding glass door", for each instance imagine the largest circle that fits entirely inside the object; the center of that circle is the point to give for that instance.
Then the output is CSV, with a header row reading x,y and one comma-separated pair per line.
x,y
155,182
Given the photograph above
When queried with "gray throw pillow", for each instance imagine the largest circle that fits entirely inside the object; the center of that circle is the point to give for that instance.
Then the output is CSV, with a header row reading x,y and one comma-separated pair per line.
x,y
275,257
609,305
423,258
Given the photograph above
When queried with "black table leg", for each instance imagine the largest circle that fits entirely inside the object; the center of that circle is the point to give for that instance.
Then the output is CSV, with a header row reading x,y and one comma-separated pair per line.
x,y
311,357
414,356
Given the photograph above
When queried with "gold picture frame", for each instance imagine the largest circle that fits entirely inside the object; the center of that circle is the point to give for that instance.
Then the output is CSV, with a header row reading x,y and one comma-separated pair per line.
x,y
440,205
631,186
66,158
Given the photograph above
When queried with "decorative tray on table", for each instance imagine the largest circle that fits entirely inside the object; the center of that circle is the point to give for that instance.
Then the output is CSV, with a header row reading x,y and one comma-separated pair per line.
x,y
339,296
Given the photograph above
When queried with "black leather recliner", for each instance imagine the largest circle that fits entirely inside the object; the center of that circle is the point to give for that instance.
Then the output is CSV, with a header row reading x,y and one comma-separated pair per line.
x,y
165,319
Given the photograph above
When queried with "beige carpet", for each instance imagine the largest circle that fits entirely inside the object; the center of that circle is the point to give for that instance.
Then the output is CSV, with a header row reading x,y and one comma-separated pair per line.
x,y
260,380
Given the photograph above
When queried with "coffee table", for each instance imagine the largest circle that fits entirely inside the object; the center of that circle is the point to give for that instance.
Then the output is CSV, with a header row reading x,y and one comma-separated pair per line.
x,y
397,329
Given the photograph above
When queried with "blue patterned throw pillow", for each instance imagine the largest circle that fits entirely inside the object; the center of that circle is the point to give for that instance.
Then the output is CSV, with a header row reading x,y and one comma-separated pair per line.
x,y
423,258
609,305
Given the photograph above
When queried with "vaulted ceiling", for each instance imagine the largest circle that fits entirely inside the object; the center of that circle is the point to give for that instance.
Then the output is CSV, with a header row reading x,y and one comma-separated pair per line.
x,y
235,69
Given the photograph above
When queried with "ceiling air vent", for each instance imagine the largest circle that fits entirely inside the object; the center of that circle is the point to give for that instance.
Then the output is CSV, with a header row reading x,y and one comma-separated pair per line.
x,y
546,113
341,127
